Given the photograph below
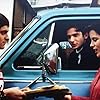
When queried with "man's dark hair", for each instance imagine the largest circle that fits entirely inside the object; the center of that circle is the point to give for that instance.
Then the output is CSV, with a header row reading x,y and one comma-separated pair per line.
x,y
79,28
3,20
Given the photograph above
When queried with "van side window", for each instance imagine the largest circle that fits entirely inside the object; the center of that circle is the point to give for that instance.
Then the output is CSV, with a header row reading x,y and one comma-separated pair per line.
x,y
86,60
32,56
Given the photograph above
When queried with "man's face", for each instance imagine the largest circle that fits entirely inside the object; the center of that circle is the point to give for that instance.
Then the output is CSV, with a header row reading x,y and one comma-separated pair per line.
x,y
3,36
75,38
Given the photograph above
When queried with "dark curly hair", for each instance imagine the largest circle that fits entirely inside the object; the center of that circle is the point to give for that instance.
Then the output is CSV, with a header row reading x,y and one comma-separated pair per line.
x,y
94,26
3,20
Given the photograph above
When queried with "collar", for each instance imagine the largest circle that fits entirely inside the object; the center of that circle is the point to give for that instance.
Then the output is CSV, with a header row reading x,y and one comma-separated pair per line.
x,y
79,50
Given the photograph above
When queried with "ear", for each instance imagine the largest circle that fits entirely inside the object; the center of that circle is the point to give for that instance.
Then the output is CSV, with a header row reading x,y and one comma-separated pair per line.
x,y
86,35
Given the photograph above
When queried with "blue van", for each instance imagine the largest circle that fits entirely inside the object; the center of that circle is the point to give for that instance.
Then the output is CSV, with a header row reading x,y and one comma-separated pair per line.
x,y
26,61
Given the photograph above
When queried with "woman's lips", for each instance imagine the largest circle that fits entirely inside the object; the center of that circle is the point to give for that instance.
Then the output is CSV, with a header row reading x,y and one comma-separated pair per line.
x,y
95,50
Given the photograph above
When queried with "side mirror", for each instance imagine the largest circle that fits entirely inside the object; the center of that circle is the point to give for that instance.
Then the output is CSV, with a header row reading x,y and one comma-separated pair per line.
x,y
50,59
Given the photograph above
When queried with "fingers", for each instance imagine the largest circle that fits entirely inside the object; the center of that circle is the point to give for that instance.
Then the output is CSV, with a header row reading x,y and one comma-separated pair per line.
x,y
26,89
67,97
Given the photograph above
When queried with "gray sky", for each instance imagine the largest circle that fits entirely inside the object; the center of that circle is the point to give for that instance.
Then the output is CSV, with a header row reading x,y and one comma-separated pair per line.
x,y
46,2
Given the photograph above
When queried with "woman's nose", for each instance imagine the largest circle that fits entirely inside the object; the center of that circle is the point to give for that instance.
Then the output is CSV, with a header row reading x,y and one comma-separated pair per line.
x,y
7,37
91,44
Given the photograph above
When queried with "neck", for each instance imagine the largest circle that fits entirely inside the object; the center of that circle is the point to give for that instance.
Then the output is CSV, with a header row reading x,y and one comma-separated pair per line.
x,y
79,49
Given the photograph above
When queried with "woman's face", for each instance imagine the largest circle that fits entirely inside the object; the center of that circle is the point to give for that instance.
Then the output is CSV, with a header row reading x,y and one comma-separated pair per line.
x,y
95,42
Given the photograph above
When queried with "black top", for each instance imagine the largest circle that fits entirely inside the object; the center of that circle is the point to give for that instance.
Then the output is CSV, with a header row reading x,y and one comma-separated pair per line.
x,y
88,59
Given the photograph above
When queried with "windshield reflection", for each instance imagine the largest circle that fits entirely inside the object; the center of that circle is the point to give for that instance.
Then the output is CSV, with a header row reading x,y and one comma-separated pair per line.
x,y
19,36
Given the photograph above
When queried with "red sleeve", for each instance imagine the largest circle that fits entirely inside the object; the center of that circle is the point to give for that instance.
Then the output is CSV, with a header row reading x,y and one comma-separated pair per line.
x,y
79,98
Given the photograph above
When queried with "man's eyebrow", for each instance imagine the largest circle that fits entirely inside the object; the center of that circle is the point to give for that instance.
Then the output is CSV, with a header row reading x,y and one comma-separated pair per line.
x,y
77,30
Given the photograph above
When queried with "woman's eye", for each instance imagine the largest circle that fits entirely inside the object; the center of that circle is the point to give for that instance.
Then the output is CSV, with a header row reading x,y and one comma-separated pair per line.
x,y
95,39
3,32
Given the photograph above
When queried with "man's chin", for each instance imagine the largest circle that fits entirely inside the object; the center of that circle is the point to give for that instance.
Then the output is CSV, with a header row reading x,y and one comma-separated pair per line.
x,y
74,47
98,55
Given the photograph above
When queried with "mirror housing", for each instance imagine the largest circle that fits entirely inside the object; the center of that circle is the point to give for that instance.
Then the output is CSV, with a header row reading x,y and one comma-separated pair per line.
x,y
50,59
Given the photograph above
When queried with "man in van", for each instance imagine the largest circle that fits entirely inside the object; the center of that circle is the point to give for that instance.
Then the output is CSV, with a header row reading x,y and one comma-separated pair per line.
x,y
82,56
